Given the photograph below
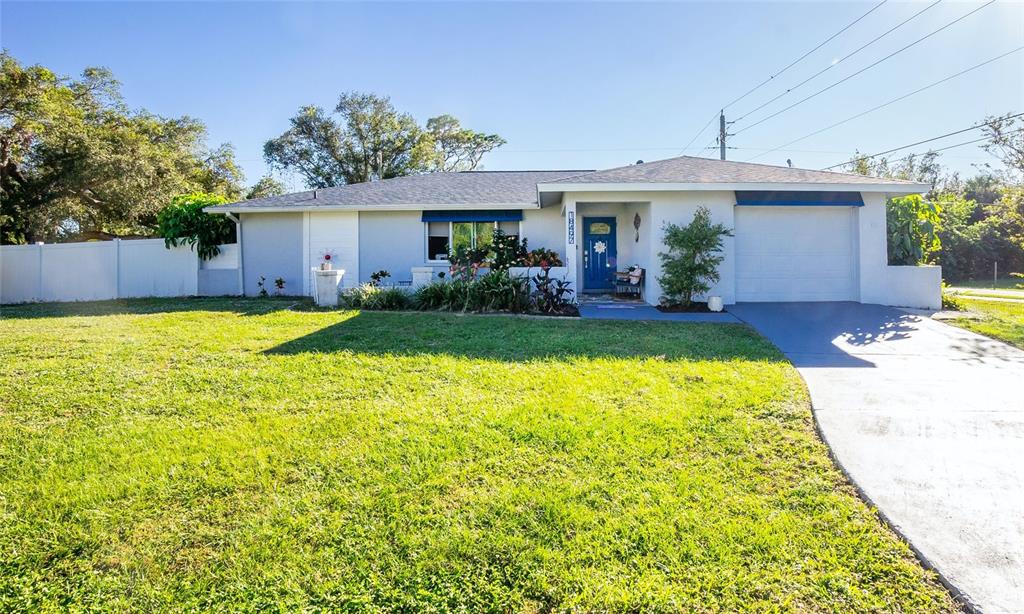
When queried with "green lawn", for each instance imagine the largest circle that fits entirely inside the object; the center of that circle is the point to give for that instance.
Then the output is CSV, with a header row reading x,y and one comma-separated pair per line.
x,y
1003,320
239,456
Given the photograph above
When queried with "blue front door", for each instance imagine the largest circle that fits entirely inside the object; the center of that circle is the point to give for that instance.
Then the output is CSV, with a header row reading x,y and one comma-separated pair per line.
x,y
598,253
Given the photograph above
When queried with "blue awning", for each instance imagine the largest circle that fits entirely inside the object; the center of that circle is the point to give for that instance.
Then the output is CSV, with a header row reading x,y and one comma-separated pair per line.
x,y
799,199
474,215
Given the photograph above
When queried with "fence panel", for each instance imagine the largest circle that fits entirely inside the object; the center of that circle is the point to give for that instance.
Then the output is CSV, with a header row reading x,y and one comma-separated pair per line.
x,y
150,269
99,270
79,271
19,273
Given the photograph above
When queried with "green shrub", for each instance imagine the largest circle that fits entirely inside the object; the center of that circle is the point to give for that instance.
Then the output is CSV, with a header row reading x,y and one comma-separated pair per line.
x,y
388,299
183,222
690,266
496,291
541,257
951,301
912,224
431,296
507,250
374,298
553,296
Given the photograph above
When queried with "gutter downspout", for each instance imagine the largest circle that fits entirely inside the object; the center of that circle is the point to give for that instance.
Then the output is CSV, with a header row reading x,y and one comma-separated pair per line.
x,y
241,252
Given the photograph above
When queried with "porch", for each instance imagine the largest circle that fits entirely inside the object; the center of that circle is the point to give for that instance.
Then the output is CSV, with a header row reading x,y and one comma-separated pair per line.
x,y
605,238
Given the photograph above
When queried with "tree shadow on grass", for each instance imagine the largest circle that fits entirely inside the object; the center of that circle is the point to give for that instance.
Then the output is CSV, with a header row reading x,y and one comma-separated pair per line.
x,y
516,339
243,306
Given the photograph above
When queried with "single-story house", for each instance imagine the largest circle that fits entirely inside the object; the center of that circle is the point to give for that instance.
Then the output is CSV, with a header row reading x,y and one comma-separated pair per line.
x,y
799,235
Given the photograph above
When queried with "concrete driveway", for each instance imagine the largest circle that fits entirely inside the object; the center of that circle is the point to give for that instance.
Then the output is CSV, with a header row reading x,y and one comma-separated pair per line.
x,y
928,421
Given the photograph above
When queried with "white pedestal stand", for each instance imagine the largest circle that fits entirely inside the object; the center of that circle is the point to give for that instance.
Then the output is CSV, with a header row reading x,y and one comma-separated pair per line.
x,y
326,286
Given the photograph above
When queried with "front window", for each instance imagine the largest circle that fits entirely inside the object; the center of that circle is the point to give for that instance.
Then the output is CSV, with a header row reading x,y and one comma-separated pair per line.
x,y
443,237
438,240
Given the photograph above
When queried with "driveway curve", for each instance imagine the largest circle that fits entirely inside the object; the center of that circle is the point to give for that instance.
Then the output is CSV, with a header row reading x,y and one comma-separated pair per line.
x,y
928,420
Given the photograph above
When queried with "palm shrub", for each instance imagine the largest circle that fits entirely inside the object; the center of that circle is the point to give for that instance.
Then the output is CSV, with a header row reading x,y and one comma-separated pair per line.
x,y
690,264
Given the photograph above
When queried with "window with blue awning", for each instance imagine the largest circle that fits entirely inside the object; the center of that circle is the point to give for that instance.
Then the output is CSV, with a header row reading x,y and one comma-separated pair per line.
x,y
798,199
474,215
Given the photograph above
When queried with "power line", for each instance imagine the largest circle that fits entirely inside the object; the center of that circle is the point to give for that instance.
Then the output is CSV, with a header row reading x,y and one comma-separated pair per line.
x,y
797,61
866,68
713,117
840,60
972,141
885,104
936,138
788,66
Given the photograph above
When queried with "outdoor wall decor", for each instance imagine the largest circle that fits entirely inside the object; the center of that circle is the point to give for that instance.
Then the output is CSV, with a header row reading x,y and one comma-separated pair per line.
x,y
636,227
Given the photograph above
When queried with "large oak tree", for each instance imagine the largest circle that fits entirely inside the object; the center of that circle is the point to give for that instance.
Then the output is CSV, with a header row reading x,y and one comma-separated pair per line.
x,y
366,139
76,162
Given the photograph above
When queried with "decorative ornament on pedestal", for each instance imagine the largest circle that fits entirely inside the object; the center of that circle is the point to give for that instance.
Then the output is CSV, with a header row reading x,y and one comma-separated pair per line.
x,y
327,258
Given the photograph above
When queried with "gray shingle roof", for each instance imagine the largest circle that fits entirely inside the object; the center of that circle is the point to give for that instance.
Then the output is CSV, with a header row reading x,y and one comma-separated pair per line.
x,y
519,188
687,169
468,188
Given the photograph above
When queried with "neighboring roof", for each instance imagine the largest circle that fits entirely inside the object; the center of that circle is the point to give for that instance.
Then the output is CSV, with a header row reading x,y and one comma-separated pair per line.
x,y
506,188
688,169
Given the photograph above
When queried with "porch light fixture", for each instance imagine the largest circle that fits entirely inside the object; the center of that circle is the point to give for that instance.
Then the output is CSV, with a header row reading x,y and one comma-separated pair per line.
x,y
636,227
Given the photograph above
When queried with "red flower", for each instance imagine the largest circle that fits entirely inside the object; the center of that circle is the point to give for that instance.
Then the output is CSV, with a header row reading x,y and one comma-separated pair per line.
x,y
327,256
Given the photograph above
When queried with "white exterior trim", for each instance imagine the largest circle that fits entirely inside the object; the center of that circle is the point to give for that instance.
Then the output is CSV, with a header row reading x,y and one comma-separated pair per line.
x,y
891,188
307,283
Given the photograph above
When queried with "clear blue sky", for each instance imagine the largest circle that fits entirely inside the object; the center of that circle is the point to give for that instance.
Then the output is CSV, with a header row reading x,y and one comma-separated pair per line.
x,y
568,85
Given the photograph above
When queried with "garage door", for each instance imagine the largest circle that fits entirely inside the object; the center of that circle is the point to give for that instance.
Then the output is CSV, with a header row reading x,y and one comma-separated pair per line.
x,y
795,254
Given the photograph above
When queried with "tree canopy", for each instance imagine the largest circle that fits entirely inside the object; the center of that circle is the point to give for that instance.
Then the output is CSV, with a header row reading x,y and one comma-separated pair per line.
x,y
367,139
964,226
76,162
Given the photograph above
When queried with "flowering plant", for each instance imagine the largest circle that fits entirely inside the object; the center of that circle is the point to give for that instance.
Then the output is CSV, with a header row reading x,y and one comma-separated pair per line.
x,y
328,256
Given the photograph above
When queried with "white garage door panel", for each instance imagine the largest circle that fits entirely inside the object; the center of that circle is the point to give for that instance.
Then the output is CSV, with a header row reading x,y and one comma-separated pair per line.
x,y
795,254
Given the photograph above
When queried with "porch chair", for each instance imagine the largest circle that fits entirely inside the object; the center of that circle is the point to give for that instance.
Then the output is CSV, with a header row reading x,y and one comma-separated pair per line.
x,y
630,282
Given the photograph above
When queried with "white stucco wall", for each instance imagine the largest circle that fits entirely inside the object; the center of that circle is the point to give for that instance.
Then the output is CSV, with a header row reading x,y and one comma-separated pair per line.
x,y
544,228
272,247
336,232
872,258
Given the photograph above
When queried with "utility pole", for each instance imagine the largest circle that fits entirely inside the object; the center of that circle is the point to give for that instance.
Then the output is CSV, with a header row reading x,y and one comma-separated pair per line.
x,y
721,133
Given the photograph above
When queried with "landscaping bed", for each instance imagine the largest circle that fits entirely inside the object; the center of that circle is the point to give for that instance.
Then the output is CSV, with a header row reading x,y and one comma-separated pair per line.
x,y
236,454
694,307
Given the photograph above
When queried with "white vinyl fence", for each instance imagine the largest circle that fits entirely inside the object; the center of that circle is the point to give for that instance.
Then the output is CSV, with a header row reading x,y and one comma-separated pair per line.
x,y
99,270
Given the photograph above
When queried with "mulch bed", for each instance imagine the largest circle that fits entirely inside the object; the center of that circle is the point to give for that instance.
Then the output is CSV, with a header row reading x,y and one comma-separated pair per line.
x,y
694,307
